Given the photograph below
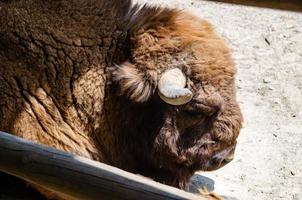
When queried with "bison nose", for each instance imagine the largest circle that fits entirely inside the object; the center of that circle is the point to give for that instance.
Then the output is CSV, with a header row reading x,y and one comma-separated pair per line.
x,y
222,158
226,160
217,162
229,158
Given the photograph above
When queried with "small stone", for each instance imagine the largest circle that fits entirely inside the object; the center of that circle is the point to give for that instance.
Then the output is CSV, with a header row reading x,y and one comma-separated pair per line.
x,y
266,80
292,173
266,40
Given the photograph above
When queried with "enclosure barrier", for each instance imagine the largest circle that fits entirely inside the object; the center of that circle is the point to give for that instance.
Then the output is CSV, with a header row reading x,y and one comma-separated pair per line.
x,y
78,177
294,5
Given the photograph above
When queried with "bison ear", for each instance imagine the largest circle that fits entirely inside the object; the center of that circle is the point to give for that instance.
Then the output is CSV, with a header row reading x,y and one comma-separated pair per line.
x,y
135,83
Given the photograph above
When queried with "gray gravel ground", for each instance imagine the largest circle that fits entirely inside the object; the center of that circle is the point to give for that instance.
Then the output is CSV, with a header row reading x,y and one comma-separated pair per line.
x,y
267,48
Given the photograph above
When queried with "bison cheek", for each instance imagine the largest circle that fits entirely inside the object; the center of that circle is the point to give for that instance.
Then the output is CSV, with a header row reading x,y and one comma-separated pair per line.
x,y
165,144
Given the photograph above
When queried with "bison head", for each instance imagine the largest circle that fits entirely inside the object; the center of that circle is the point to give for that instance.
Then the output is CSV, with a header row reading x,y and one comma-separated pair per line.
x,y
179,77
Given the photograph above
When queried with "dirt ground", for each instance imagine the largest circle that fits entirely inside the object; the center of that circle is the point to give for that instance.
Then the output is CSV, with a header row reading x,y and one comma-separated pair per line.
x,y
267,48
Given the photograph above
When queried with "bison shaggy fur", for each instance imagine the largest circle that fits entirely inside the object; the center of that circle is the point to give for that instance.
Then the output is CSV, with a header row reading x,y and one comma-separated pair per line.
x,y
82,76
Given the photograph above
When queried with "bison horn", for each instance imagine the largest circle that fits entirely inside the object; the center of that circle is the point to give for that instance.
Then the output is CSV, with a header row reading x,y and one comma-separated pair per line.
x,y
171,87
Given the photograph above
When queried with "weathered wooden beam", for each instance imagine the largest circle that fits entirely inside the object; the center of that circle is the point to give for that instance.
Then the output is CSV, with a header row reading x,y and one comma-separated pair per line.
x,y
293,5
76,176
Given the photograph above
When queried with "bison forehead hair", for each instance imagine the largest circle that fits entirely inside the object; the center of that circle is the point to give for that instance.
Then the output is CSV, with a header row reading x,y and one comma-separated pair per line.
x,y
150,90
181,75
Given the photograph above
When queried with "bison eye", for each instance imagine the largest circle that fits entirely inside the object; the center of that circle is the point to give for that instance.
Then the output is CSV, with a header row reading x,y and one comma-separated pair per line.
x,y
193,113
198,109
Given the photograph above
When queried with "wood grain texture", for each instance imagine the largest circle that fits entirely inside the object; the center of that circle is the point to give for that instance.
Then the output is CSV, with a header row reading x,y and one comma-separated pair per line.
x,y
294,5
76,176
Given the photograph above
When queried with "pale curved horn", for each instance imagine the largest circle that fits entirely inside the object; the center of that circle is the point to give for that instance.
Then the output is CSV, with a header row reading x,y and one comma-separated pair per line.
x,y
171,87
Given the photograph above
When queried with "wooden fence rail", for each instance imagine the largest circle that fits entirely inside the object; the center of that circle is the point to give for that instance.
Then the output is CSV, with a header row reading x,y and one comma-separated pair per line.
x,y
76,176
293,5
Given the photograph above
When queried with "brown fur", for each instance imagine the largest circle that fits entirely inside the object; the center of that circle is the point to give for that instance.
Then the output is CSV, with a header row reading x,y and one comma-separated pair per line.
x,y
81,76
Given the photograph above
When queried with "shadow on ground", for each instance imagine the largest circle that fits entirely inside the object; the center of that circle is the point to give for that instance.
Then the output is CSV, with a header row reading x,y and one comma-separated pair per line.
x,y
202,182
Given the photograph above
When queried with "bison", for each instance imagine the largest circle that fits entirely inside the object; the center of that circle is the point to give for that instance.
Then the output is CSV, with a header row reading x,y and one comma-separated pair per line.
x,y
147,89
